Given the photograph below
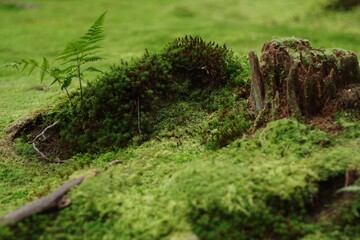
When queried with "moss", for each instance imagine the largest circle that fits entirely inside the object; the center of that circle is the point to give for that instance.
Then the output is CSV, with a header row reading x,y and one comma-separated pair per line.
x,y
286,137
292,42
261,186
24,149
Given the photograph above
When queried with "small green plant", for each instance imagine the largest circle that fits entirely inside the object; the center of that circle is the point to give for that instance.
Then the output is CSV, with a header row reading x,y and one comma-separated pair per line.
x,y
73,60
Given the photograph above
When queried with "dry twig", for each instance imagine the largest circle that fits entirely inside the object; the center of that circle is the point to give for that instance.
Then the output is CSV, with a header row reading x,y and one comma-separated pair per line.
x,y
42,134
53,201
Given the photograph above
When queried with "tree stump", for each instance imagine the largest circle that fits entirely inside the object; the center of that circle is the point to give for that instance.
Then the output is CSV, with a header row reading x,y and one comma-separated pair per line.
x,y
294,79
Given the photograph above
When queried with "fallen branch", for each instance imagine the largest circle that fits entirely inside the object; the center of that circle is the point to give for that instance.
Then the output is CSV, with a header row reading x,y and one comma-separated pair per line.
x,y
42,134
52,202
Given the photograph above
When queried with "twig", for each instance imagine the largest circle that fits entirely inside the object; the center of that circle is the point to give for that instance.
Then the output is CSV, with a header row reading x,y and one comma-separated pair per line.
x,y
44,204
42,134
38,151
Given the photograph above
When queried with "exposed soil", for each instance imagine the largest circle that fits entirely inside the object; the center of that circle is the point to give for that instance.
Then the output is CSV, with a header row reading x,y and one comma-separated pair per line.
x,y
50,144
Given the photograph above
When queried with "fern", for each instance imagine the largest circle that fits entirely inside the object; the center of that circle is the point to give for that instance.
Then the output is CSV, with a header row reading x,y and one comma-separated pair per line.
x,y
72,59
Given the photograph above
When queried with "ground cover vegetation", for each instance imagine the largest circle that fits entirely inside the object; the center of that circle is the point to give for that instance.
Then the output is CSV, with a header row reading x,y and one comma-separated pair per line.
x,y
196,158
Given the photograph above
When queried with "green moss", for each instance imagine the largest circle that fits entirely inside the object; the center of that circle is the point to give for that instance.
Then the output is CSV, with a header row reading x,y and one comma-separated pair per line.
x,y
284,137
291,42
260,186
24,149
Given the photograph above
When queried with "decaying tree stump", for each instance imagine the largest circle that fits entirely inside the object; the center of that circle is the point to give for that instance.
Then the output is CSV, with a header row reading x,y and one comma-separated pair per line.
x,y
292,78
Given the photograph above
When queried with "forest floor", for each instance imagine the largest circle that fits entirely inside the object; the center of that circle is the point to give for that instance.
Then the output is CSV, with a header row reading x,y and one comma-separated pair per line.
x,y
278,183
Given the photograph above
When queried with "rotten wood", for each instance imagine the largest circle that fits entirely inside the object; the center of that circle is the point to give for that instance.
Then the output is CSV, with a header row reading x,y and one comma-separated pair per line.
x,y
56,200
297,80
257,84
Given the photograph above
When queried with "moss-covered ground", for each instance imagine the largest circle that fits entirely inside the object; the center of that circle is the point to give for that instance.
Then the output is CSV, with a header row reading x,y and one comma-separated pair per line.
x,y
277,183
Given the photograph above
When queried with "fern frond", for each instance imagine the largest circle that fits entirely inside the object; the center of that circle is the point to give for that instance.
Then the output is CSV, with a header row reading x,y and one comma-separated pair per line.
x,y
33,64
66,83
91,50
72,59
95,32
73,49
45,67
14,64
85,49
24,63
91,59
93,69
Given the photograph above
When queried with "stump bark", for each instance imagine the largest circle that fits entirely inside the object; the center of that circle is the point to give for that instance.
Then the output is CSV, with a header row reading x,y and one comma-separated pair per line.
x,y
293,79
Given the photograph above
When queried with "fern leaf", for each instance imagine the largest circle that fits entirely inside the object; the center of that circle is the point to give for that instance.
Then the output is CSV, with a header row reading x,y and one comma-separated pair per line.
x,y
71,50
25,64
45,66
56,73
93,69
33,64
93,49
92,59
85,49
69,69
66,83
95,32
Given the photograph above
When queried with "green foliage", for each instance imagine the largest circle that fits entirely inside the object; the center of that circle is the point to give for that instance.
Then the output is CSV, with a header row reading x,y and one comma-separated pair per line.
x,y
73,59
78,53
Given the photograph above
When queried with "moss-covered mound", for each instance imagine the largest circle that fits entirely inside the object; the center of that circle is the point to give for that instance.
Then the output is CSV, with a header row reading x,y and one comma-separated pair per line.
x,y
125,105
